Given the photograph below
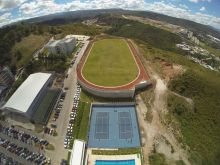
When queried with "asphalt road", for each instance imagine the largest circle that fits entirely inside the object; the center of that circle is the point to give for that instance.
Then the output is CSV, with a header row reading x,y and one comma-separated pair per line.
x,y
62,122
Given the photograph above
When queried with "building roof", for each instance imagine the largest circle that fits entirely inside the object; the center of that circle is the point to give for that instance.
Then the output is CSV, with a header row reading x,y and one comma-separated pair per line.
x,y
54,43
23,97
61,41
69,39
77,155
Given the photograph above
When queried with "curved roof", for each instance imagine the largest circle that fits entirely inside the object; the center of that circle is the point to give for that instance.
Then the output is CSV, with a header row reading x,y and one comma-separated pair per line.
x,y
23,97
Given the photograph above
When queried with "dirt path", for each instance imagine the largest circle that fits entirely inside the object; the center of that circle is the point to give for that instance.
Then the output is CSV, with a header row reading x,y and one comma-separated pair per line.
x,y
188,100
155,135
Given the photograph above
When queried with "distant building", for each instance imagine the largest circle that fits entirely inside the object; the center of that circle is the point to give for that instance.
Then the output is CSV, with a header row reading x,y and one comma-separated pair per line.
x,y
61,47
27,96
189,35
195,40
6,77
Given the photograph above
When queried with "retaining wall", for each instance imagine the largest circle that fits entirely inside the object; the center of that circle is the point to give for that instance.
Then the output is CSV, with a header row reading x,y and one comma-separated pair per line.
x,y
108,93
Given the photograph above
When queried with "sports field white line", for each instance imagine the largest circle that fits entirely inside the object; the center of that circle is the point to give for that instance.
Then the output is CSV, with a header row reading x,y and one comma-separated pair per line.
x,y
110,86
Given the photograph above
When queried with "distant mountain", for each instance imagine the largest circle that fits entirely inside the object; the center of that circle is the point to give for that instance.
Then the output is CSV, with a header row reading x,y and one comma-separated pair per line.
x,y
77,16
190,25
73,16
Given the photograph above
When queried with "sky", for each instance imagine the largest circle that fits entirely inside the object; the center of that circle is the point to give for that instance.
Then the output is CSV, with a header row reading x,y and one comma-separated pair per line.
x,y
202,11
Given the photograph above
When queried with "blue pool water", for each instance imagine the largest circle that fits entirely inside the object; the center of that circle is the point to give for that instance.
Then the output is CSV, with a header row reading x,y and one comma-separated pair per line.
x,y
115,162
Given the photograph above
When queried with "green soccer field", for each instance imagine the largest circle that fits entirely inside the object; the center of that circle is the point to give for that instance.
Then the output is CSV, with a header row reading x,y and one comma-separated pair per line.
x,y
110,63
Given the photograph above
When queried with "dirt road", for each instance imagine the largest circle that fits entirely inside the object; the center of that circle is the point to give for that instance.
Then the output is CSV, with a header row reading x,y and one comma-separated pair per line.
x,y
155,135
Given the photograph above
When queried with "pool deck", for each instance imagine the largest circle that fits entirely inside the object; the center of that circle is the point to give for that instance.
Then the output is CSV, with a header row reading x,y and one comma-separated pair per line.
x,y
93,158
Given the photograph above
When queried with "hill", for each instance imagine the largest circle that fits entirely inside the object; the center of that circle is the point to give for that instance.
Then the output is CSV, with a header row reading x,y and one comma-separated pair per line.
x,y
67,17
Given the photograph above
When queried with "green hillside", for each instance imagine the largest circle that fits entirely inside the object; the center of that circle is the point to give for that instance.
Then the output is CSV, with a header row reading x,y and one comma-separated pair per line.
x,y
131,29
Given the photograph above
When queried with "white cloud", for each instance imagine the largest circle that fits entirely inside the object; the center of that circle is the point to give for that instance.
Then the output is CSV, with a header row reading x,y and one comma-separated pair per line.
x,y
172,10
8,4
43,7
202,8
37,7
183,6
5,17
196,1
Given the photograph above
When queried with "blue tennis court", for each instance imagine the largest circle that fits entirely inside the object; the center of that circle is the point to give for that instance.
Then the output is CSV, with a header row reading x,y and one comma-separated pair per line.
x,y
113,126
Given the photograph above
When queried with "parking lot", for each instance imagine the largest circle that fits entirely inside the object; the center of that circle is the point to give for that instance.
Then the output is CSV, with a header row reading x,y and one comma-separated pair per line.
x,y
20,146
72,117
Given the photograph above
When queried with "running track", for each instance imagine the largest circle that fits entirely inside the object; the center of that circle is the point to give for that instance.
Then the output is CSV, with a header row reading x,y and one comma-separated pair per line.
x,y
143,76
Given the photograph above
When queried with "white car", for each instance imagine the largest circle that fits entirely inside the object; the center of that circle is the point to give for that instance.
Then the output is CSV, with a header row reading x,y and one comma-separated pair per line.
x,y
65,146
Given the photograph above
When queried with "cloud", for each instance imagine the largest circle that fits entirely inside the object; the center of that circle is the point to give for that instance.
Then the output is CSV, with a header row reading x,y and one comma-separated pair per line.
x,y
5,17
8,4
35,8
196,1
202,8
172,10
183,6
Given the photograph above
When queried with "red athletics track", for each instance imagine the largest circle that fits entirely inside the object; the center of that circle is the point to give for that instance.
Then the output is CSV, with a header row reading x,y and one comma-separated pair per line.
x,y
143,76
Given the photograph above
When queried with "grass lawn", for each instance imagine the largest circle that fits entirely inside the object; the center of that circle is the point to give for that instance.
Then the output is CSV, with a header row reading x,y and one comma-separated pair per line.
x,y
27,47
81,124
110,63
127,151
84,126
157,159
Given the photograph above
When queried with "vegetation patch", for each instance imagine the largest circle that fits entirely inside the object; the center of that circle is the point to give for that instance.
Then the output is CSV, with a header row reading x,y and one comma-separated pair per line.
x,y
68,157
127,151
178,106
132,29
81,124
84,126
50,147
157,159
23,50
110,63
201,128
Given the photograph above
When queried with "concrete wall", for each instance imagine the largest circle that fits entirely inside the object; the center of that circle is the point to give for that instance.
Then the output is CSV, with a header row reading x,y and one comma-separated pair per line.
x,y
115,94
142,85
108,93
118,104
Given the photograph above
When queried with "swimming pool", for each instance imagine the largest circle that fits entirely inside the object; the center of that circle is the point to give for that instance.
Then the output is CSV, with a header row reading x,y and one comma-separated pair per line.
x,y
115,162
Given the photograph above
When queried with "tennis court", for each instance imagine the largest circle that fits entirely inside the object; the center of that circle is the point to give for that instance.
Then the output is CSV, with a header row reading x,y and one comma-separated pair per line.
x,y
113,126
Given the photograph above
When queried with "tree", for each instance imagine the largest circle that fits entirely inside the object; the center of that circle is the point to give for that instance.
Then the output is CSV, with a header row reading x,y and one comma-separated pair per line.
x,y
18,55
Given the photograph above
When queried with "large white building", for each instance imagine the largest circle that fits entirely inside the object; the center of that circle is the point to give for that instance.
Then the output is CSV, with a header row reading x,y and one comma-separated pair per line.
x,y
27,96
78,152
61,47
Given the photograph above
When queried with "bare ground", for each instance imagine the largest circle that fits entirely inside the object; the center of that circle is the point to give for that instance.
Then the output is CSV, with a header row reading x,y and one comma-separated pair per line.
x,y
156,135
